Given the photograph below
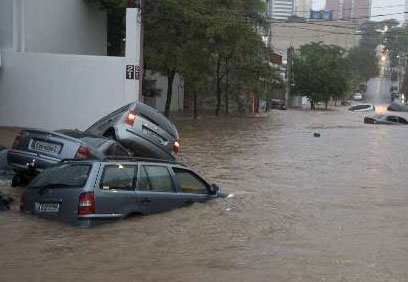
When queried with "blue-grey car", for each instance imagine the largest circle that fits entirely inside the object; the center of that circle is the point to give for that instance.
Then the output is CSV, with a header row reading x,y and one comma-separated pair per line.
x,y
87,192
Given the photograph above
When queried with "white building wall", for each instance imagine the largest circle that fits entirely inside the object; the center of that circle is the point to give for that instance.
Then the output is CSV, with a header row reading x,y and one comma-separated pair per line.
x,y
64,26
59,91
6,23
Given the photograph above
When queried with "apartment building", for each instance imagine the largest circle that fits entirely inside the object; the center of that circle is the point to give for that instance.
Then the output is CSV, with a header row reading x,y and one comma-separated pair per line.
x,y
356,10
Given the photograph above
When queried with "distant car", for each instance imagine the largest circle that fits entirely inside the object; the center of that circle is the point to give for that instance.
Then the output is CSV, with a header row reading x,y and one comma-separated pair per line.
x,y
397,107
362,108
278,104
141,129
345,103
357,96
34,150
385,119
87,193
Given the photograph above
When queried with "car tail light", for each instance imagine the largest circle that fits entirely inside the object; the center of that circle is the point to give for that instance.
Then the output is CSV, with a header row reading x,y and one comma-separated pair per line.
x,y
176,147
17,142
22,202
86,204
82,153
130,117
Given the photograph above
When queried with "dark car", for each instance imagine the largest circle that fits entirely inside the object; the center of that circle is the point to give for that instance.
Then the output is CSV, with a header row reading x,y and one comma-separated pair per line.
x,y
86,193
385,119
141,129
397,107
278,104
34,150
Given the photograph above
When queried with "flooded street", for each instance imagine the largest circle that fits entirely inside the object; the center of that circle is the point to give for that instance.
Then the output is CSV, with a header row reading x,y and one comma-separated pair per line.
x,y
301,208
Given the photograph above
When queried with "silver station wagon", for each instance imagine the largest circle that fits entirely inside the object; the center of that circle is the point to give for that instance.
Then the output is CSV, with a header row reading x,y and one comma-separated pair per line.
x,y
86,193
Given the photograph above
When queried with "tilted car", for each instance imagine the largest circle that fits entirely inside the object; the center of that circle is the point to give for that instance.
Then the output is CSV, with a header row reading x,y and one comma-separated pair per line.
x,y
362,108
34,150
141,129
86,193
385,119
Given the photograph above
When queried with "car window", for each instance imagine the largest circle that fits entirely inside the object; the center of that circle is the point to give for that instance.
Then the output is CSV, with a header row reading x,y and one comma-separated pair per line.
x,y
159,178
116,150
190,182
402,120
119,177
74,175
143,181
392,119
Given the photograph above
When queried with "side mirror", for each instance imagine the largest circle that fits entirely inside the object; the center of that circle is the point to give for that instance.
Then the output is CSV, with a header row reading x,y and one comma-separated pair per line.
x,y
214,189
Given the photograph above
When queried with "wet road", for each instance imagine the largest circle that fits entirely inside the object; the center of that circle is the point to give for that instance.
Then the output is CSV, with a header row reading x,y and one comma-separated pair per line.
x,y
333,208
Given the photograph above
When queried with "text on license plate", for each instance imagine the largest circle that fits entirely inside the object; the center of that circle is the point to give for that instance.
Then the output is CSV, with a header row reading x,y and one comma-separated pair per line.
x,y
46,147
48,207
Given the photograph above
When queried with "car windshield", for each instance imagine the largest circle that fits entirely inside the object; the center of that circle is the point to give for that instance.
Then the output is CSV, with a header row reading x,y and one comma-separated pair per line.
x,y
65,175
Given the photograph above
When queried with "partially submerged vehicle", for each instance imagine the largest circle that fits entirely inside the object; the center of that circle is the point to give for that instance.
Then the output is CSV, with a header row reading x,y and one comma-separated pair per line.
x,y
397,107
385,119
34,150
86,193
362,108
141,129
278,104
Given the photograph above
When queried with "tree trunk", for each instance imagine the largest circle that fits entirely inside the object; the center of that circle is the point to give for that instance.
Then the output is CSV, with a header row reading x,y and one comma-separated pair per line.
x,y
312,105
226,88
170,79
218,86
327,103
195,104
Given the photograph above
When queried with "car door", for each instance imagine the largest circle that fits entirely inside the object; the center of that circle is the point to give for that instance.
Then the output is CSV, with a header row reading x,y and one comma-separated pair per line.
x,y
155,189
191,186
116,192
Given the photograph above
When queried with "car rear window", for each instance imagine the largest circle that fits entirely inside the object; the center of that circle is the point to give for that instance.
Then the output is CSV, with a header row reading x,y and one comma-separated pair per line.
x,y
68,175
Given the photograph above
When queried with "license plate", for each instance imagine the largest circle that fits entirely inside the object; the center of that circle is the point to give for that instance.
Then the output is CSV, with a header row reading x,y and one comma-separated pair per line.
x,y
46,147
48,207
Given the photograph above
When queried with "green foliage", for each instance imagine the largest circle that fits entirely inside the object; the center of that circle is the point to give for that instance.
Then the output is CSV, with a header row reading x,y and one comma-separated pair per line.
x,y
363,63
321,72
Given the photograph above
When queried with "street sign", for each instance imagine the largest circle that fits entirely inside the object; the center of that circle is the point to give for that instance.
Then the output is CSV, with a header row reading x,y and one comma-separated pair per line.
x,y
132,72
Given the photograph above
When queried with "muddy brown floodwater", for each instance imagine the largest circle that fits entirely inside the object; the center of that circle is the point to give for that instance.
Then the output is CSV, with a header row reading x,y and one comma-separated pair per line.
x,y
333,208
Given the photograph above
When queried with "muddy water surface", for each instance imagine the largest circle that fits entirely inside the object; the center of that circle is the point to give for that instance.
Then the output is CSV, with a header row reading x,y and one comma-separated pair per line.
x,y
333,208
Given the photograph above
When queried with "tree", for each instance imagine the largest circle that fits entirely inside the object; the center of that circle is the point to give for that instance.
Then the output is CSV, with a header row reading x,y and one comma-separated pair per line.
x,y
363,62
321,72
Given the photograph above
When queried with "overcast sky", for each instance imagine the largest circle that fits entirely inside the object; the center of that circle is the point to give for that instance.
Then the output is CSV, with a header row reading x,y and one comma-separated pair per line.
x,y
379,7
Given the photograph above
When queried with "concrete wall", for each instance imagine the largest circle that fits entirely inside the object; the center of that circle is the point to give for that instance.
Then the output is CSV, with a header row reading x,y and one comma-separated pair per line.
x,y
296,34
159,102
6,23
53,26
59,91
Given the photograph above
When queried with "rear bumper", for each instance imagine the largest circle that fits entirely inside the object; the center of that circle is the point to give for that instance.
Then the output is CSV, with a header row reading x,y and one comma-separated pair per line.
x,y
143,146
20,159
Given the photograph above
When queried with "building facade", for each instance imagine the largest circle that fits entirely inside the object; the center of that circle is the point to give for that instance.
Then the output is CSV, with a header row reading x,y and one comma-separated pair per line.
x,y
357,10
280,9
302,8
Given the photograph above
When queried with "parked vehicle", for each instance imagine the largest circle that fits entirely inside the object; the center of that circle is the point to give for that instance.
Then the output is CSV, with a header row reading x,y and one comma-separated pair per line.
x,y
345,103
357,96
278,104
34,150
397,107
141,129
385,119
362,108
87,192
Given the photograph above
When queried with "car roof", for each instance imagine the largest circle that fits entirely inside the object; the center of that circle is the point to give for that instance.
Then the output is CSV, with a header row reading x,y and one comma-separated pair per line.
x,y
134,160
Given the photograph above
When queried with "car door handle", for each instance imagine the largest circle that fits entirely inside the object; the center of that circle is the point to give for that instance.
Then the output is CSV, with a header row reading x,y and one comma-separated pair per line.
x,y
145,201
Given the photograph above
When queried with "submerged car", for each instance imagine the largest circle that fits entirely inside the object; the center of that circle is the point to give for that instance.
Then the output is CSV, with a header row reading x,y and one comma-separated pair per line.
x,y
141,129
397,107
34,150
385,119
362,108
87,193
278,104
